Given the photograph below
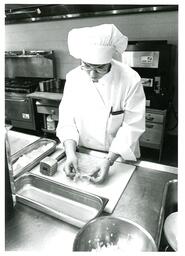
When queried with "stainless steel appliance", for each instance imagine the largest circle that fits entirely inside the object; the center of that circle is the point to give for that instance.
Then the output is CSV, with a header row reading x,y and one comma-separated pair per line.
x,y
23,72
152,60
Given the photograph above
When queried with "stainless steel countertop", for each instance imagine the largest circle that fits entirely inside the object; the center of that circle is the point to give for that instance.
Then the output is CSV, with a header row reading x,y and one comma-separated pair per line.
x,y
30,230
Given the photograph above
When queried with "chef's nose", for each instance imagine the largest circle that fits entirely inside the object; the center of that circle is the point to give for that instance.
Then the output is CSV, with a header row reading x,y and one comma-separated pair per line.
x,y
93,73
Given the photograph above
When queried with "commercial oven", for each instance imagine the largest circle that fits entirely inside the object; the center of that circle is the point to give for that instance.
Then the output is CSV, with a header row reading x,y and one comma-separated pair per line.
x,y
24,70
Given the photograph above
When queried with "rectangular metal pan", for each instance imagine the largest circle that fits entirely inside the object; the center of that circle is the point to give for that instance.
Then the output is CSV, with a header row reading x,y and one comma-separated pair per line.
x,y
60,201
28,157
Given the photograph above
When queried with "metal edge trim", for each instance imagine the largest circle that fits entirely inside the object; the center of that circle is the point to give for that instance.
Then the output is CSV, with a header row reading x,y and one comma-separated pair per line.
x,y
162,212
137,10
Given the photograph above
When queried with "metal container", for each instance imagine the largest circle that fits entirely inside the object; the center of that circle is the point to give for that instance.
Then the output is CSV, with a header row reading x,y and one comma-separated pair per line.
x,y
169,206
60,201
29,152
108,234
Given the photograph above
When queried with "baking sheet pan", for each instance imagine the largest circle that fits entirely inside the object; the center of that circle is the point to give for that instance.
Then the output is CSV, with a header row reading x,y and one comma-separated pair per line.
x,y
57,200
28,157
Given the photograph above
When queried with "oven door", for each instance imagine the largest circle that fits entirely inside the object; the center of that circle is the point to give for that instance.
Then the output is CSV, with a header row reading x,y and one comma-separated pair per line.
x,y
19,110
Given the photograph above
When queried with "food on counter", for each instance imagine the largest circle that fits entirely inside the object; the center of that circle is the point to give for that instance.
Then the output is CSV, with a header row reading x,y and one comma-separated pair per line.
x,y
130,244
85,165
29,157
81,177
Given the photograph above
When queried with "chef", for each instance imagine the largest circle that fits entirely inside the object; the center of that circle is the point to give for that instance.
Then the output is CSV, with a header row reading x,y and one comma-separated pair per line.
x,y
103,105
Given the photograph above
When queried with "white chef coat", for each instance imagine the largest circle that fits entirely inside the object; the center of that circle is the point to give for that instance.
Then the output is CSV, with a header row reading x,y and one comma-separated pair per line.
x,y
85,111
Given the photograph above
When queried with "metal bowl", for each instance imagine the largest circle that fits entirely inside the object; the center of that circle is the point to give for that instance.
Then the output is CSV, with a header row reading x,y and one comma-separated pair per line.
x,y
113,234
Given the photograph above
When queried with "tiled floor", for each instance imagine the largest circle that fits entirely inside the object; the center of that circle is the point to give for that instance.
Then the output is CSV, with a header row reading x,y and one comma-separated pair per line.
x,y
169,153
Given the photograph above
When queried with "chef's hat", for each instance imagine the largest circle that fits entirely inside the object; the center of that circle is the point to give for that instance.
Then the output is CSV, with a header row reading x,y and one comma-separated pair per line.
x,y
96,45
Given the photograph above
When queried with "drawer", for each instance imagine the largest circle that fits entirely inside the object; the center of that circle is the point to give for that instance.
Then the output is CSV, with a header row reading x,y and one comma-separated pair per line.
x,y
152,137
47,110
153,117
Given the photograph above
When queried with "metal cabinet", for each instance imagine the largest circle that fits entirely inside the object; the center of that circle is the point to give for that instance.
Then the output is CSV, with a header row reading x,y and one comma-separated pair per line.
x,y
20,111
154,133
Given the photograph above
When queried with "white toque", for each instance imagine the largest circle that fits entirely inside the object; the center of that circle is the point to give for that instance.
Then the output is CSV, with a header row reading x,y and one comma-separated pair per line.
x,y
96,45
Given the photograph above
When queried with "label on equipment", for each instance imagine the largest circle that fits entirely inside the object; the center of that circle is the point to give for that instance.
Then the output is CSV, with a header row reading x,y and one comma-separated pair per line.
x,y
147,59
147,82
25,116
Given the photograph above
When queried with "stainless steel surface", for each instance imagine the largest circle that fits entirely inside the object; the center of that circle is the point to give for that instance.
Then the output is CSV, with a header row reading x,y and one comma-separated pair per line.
x,y
34,64
32,159
141,202
32,230
58,12
62,202
170,197
116,233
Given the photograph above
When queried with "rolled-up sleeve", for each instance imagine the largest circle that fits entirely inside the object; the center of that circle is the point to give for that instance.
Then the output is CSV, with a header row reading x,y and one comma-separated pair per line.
x,y
126,140
66,128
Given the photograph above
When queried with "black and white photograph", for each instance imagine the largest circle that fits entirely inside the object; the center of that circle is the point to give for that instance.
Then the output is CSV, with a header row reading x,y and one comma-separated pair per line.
x,y
90,124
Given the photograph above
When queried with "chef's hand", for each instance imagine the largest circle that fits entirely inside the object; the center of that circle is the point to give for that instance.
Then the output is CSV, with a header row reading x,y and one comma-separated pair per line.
x,y
100,172
71,166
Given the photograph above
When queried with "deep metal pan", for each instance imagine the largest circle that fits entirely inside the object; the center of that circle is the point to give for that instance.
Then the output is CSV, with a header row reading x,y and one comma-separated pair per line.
x,y
60,201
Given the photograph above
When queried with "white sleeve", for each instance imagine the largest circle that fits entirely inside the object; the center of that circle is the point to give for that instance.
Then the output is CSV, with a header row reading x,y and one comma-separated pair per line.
x,y
66,128
126,140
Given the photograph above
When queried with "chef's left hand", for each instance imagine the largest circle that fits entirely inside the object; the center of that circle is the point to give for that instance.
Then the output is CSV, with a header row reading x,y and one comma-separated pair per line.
x,y
100,172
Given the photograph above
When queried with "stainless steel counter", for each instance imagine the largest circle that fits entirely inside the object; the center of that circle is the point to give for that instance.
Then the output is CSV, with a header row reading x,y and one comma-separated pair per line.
x,y
141,202
30,230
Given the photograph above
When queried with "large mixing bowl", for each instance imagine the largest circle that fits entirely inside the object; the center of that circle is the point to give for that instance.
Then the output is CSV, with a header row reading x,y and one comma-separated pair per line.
x,y
113,234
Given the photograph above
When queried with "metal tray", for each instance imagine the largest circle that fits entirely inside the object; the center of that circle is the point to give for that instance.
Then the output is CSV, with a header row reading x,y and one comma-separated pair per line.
x,y
28,151
60,201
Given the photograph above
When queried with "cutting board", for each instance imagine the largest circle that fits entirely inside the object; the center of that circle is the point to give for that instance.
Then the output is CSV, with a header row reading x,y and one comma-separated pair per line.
x,y
112,188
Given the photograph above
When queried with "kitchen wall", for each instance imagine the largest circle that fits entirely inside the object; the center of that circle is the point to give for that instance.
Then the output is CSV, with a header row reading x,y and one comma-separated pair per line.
x,y
53,36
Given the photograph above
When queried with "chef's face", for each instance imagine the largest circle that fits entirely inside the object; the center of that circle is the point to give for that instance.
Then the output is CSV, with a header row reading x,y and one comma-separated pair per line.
x,y
95,71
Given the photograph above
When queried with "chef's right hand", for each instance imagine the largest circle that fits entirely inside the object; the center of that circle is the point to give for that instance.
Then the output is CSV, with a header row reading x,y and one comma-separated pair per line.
x,y
71,166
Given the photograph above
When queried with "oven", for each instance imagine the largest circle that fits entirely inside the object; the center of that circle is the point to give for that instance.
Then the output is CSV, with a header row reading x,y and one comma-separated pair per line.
x,y
24,70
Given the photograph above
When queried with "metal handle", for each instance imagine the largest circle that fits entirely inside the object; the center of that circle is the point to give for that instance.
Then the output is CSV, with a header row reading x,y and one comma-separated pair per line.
x,y
17,100
149,126
149,118
60,156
